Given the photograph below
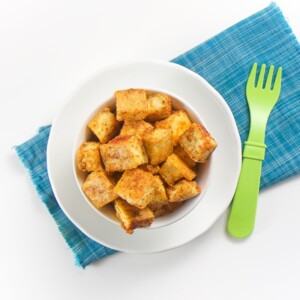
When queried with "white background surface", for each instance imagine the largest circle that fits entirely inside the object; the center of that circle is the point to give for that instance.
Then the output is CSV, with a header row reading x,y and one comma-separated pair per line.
x,y
47,48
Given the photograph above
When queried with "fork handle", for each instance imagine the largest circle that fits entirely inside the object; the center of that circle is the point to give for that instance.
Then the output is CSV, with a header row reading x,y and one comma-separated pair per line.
x,y
243,208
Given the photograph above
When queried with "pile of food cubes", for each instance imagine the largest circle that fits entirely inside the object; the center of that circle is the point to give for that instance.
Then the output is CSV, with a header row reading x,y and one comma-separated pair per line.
x,y
142,157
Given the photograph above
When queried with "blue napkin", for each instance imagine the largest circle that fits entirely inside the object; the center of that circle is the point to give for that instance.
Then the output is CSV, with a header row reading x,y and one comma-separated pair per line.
x,y
224,61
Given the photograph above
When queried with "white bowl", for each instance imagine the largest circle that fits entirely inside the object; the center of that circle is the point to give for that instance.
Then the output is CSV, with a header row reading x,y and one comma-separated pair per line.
x,y
223,170
203,170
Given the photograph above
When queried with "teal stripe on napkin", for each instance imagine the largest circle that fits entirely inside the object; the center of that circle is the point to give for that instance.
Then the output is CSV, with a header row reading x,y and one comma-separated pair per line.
x,y
224,61
33,155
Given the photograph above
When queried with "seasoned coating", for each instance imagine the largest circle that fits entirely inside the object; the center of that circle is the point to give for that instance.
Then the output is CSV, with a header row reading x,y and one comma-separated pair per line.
x,y
178,122
137,187
88,157
159,107
131,104
174,169
149,168
139,128
166,209
146,159
160,191
99,189
104,125
132,217
179,151
122,153
160,198
198,143
158,144
183,190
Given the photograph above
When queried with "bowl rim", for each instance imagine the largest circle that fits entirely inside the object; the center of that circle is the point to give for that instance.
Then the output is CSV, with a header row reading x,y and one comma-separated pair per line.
x,y
51,142
182,211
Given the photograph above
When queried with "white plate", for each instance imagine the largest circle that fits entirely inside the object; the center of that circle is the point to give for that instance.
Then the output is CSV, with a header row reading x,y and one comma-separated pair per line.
x,y
215,114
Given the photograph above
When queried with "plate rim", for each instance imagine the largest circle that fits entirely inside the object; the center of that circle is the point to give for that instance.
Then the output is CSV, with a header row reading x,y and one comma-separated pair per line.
x,y
123,64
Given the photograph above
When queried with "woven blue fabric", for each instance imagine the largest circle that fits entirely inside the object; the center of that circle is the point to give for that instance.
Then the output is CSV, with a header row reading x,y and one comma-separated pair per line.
x,y
33,155
224,61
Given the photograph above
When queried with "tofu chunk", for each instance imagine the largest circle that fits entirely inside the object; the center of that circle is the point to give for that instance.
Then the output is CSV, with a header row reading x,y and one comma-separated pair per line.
x,y
179,151
139,128
160,211
160,198
99,189
149,168
104,125
136,187
183,190
160,191
175,169
122,153
158,144
132,217
178,122
88,157
131,104
198,143
159,107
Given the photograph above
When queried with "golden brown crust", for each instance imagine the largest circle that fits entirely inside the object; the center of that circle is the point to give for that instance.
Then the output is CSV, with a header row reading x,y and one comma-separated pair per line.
x,y
149,168
122,153
179,151
198,143
131,104
183,190
159,107
132,217
178,122
88,157
139,128
175,169
166,209
160,198
99,189
158,144
104,125
123,166
136,187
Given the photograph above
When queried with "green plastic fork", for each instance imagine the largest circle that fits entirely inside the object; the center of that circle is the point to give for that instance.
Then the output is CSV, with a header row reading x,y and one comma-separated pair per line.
x,y
261,100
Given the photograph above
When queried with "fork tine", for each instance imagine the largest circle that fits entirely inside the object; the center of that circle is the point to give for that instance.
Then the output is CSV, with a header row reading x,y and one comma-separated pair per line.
x,y
252,76
269,78
277,83
261,76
